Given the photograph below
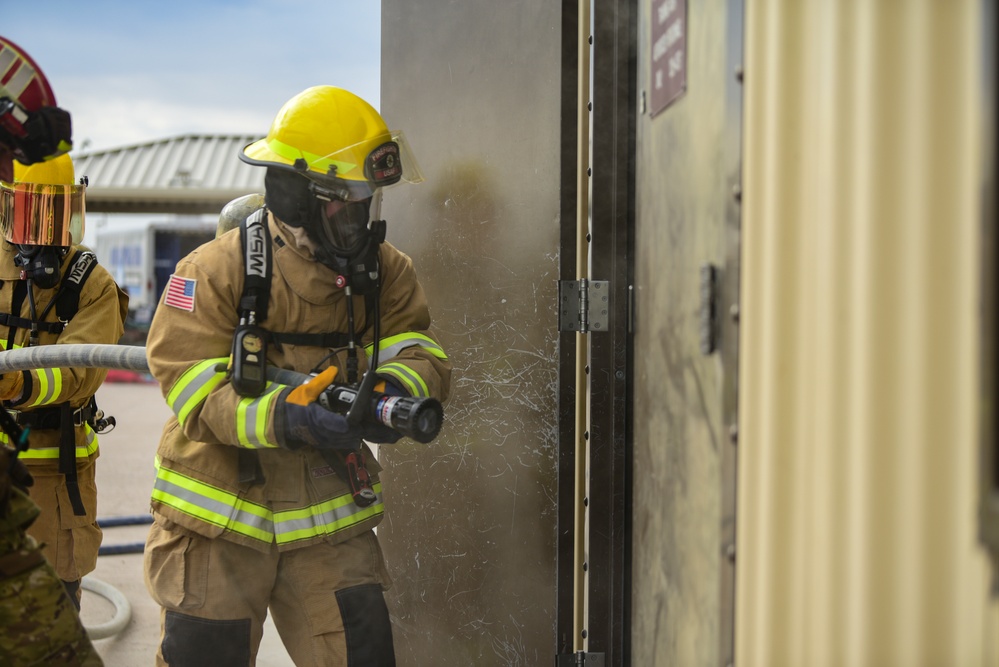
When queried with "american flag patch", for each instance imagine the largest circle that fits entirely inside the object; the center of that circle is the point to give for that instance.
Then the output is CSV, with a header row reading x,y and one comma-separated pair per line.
x,y
179,293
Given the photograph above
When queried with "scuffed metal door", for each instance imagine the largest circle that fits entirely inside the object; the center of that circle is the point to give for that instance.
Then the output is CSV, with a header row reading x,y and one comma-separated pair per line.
x,y
470,534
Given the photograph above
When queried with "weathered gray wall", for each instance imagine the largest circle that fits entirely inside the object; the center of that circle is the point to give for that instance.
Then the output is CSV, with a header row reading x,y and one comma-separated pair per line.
x,y
682,198
470,532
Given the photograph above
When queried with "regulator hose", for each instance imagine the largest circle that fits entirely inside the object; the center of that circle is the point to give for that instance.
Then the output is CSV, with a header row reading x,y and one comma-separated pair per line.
x,y
96,355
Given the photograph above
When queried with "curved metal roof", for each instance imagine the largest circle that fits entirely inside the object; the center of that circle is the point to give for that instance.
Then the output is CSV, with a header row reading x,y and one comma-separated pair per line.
x,y
187,174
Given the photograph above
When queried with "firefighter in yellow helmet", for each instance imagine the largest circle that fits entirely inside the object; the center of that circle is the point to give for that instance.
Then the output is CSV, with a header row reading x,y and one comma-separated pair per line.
x,y
38,620
54,292
266,494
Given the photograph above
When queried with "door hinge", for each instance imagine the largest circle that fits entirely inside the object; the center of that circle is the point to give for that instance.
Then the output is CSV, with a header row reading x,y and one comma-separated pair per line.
x,y
584,305
580,659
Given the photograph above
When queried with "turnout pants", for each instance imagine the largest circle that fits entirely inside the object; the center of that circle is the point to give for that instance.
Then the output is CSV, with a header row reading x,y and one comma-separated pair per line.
x,y
326,599
70,542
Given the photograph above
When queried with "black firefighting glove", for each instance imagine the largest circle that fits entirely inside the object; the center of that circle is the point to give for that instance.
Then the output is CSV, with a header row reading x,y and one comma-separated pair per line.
x,y
47,134
298,425
301,420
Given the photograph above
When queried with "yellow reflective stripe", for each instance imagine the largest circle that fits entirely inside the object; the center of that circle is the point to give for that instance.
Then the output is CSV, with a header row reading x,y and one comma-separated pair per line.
x,y
49,381
212,505
82,451
193,387
316,162
251,418
393,345
326,518
406,377
227,510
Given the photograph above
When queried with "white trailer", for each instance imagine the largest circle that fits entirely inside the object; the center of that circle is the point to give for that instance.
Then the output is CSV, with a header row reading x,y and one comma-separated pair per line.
x,y
141,255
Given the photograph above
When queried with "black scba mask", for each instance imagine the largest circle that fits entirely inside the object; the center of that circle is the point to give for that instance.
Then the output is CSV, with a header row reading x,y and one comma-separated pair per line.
x,y
346,239
40,264
344,225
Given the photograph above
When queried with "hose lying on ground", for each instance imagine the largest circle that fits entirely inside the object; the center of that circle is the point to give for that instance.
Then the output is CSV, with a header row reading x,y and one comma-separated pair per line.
x,y
128,547
122,608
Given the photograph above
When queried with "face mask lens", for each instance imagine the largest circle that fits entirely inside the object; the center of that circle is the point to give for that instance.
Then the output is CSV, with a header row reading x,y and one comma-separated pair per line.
x,y
345,223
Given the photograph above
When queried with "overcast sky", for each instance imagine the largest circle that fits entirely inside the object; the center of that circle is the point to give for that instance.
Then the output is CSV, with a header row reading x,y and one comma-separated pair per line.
x,y
131,71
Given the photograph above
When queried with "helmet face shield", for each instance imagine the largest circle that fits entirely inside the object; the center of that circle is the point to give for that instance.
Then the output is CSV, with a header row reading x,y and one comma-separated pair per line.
x,y
351,173
411,172
47,215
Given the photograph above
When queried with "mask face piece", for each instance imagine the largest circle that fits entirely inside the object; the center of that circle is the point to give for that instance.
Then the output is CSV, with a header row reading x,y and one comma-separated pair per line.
x,y
341,227
39,264
344,225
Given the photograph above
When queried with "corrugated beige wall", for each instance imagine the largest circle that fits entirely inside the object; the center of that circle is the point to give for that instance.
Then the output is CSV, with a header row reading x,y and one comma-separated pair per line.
x,y
859,350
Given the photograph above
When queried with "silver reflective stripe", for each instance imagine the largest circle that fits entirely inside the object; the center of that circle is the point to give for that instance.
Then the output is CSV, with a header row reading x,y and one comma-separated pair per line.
x,y
194,386
49,382
390,347
214,511
227,510
251,418
82,451
312,521
405,375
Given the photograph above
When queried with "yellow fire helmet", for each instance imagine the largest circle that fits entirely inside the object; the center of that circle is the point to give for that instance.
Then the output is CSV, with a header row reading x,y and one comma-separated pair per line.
x,y
338,141
44,206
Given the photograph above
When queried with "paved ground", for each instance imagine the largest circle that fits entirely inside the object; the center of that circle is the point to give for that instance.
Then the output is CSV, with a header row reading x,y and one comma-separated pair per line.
x,y
124,478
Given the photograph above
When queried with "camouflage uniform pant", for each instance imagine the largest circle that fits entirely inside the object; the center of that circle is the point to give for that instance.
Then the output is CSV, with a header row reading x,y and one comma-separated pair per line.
x,y
39,624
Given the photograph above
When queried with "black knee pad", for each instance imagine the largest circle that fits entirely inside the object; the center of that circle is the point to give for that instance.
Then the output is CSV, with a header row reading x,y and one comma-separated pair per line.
x,y
200,642
367,626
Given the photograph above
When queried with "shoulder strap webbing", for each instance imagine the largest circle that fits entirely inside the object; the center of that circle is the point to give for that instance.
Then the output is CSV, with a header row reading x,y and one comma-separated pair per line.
x,y
256,242
330,340
67,458
14,322
68,299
